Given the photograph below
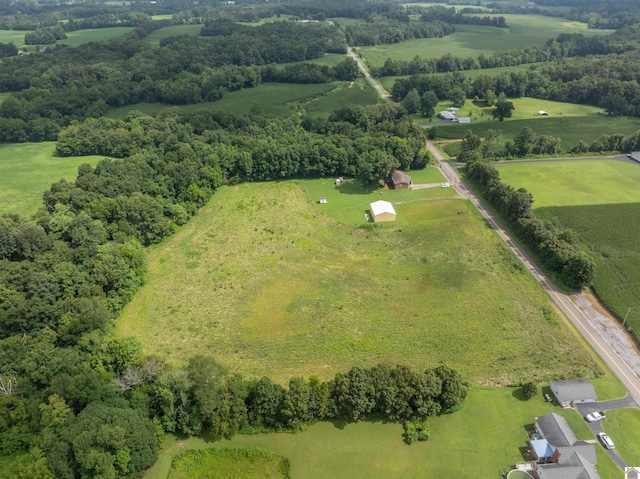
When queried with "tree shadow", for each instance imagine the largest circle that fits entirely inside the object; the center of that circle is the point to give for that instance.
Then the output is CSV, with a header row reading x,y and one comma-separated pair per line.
x,y
518,394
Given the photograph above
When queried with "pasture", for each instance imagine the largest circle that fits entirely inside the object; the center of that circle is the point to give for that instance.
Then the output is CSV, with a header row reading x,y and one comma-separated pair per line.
x,y
269,283
472,40
274,99
80,37
488,435
224,463
28,169
172,31
598,201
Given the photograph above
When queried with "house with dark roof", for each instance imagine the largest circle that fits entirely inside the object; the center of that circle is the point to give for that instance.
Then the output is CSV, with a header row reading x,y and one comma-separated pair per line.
x,y
558,453
399,179
572,392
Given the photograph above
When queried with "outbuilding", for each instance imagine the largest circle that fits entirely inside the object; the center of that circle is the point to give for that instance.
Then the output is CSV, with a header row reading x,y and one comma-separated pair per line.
x,y
399,179
543,113
634,155
464,119
574,391
382,211
323,200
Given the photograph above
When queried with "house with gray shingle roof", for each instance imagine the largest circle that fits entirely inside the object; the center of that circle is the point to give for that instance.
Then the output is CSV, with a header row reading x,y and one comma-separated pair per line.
x,y
575,391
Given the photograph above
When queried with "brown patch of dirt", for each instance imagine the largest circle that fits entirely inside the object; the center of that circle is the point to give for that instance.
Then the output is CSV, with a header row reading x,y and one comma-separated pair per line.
x,y
351,84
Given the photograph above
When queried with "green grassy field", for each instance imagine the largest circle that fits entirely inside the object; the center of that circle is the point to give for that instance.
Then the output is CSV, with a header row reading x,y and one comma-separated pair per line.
x,y
472,40
28,169
172,31
623,426
229,462
598,200
299,293
275,99
488,436
73,39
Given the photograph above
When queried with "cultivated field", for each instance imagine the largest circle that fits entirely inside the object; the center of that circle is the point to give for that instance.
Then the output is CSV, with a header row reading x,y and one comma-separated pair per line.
x,y
599,201
268,284
472,40
73,39
487,435
275,99
28,169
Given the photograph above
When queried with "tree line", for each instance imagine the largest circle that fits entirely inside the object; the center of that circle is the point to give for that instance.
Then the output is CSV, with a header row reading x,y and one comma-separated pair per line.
x,y
556,249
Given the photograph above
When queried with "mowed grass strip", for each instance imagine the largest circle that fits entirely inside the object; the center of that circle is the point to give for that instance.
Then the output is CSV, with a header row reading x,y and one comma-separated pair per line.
x,y
623,426
485,438
472,40
28,169
268,284
598,200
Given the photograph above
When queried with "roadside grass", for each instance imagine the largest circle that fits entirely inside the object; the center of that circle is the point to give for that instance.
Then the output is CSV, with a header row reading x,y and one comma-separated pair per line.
x,y
28,169
156,36
472,40
488,435
623,426
598,201
266,283
224,463
274,99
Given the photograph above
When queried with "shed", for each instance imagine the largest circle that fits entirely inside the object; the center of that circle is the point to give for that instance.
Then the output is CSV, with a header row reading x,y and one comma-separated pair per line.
x,y
323,200
543,113
399,179
464,119
634,155
382,211
447,116
574,391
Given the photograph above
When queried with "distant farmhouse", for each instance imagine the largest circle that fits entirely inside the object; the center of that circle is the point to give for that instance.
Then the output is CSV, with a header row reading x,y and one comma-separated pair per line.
x,y
451,115
382,211
399,179
556,453
572,392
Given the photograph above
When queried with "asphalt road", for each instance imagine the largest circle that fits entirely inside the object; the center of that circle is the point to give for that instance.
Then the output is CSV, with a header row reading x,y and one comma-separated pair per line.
x,y
374,83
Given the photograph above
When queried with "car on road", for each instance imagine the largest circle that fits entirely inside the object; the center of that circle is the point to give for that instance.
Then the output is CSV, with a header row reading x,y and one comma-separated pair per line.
x,y
606,441
595,416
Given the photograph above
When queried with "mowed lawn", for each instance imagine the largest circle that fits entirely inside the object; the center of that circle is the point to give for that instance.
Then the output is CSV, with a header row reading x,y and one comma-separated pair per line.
x,y
472,40
484,439
599,201
623,426
28,169
267,282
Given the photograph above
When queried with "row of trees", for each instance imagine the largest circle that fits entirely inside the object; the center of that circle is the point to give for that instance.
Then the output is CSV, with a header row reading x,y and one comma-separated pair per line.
x,y
45,35
556,249
384,31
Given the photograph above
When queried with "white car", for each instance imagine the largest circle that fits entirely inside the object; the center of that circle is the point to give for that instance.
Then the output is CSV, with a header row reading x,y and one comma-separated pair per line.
x,y
595,416
606,441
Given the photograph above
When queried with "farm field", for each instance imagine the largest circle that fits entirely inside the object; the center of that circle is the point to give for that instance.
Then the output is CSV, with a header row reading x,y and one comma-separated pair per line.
x,y
74,39
472,40
489,432
598,200
300,293
274,99
28,169
174,30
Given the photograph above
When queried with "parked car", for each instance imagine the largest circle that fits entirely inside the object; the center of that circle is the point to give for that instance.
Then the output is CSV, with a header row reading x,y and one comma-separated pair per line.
x,y
606,441
595,416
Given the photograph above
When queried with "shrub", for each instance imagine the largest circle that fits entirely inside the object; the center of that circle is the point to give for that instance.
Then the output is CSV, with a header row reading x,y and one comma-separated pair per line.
x,y
416,430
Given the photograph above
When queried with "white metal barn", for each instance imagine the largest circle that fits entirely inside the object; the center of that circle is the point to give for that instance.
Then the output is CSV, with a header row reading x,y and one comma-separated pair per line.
x,y
382,211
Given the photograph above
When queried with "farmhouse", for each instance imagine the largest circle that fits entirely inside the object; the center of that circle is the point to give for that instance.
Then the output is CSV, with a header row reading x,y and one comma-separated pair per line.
x,y
575,391
382,211
557,453
447,116
399,179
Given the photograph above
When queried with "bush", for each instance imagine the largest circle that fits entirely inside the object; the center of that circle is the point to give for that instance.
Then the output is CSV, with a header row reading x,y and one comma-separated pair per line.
x,y
529,390
416,430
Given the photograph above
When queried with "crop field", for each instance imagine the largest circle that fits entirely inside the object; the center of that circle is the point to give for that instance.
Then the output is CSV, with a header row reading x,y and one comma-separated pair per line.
x,y
472,40
172,31
228,462
81,37
28,169
274,99
489,432
269,283
599,201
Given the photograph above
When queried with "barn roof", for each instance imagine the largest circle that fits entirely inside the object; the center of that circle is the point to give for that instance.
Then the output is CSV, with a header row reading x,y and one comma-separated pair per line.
x,y
398,177
380,207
